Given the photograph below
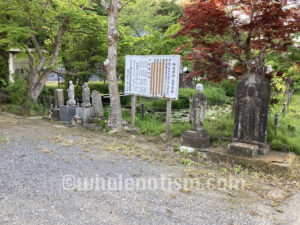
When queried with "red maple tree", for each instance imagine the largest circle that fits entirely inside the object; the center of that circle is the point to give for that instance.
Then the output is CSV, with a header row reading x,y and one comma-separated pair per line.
x,y
240,32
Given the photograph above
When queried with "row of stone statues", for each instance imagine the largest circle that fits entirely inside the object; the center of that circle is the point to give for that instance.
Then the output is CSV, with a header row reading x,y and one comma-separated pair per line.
x,y
250,124
77,113
251,117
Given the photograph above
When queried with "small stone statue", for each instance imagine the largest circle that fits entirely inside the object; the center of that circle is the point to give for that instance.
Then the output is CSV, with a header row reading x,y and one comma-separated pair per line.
x,y
197,109
86,94
71,94
196,137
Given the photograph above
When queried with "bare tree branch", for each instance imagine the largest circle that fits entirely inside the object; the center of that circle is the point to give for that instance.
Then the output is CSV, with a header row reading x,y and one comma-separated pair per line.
x,y
41,14
89,4
39,52
125,4
66,73
31,60
58,38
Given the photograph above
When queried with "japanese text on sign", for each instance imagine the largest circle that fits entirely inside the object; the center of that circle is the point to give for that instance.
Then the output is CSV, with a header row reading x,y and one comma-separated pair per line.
x,y
152,76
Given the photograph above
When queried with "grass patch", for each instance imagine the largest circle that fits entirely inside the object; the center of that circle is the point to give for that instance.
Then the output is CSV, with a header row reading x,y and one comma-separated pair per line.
x,y
287,137
27,109
155,126
222,126
215,95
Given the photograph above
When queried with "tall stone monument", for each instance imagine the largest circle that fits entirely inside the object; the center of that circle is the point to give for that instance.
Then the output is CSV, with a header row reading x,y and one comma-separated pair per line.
x,y
58,102
97,105
251,111
196,137
86,95
58,98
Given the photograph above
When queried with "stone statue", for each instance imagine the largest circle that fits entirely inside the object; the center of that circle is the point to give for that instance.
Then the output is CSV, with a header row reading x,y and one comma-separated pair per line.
x,y
71,94
197,109
97,104
249,115
196,137
251,111
86,94
58,98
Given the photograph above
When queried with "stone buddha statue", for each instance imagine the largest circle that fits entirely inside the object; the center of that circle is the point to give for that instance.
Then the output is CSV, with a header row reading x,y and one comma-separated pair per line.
x,y
197,109
71,94
86,94
249,115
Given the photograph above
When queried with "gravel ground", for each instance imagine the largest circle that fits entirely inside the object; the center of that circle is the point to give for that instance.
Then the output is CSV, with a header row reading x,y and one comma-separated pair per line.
x,y
36,155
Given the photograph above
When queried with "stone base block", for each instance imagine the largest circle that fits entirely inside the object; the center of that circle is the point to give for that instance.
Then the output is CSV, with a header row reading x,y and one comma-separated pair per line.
x,y
243,149
263,148
84,115
195,139
55,113
66,113
274,161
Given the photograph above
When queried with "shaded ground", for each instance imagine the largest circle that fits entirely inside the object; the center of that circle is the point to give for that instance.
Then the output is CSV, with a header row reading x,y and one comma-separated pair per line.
x,y
36,155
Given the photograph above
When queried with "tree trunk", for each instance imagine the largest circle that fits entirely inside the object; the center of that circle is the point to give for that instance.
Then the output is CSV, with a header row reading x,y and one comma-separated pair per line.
x,y
38,75
35,88
110,64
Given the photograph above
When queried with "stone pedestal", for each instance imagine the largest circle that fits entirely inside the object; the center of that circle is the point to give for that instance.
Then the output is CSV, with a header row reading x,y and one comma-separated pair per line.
x,y
66,113
243,149
195,139
55,113
248,149
83,115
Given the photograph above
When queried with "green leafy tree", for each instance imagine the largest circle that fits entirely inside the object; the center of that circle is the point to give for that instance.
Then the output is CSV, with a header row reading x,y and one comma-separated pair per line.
x,y
157,15
4,73
40,24
285,68
84,50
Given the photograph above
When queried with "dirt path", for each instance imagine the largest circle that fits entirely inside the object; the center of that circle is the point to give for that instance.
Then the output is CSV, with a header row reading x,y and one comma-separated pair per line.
x,y
39,162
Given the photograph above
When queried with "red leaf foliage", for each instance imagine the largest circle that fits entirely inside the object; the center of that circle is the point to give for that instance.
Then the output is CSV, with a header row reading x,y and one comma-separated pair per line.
x,y
243,31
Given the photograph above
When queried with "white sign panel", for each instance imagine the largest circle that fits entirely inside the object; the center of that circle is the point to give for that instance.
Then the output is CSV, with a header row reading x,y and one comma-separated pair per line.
x,y
152,76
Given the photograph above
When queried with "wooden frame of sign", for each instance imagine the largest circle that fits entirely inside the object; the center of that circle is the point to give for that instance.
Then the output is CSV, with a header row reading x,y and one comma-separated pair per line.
x,y
153,77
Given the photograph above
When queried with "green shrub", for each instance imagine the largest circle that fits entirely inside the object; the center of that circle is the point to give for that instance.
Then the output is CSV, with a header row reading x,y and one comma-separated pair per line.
x,y
4,71
159,103
178,128
287,137
222,126
18,90
215,95
125,100
229,87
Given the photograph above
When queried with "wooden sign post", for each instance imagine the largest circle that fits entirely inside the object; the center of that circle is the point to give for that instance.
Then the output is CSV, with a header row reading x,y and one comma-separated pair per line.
x,y
153,76
133,109
168,117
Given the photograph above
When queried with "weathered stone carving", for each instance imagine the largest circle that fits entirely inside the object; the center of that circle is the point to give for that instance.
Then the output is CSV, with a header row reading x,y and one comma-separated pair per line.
x,y
86,95
251,116
71,94
196,137
97,104
197,109
58,98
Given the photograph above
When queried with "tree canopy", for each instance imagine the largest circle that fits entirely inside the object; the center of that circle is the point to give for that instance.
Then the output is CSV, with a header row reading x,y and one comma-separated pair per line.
x,y
243,32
